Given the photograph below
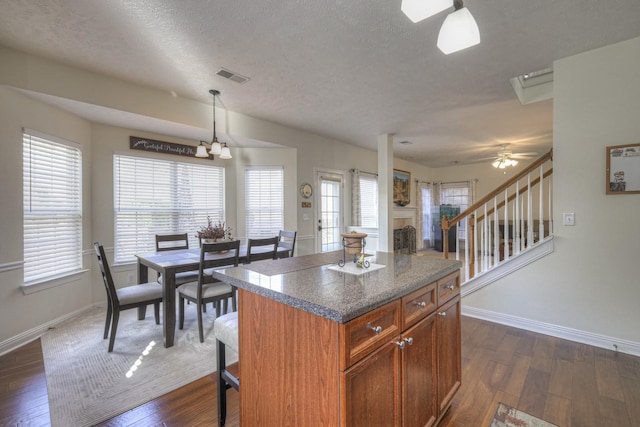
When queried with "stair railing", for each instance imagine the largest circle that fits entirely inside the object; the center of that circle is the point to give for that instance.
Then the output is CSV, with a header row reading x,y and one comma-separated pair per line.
x,y
503,223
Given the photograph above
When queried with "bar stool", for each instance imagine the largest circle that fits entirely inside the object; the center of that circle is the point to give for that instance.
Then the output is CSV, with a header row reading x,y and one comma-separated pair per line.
x,y
225,329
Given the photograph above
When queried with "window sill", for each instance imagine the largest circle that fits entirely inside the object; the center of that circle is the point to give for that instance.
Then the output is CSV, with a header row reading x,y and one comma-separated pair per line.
x,y
52,283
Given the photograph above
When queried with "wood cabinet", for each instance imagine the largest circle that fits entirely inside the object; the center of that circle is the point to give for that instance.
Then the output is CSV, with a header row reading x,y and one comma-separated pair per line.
x,y
422,360
397,365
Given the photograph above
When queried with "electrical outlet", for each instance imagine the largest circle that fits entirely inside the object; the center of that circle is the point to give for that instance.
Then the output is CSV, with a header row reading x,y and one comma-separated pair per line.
x,y
568,218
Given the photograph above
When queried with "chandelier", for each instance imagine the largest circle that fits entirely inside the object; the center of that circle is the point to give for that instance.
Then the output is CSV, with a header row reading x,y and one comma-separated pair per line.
x,y
219,149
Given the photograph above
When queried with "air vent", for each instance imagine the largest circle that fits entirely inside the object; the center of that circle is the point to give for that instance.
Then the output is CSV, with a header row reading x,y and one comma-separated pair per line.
x,y
405,142
222,72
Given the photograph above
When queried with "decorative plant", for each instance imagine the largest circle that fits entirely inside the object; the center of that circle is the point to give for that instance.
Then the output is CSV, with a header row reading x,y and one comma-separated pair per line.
x,y
215,231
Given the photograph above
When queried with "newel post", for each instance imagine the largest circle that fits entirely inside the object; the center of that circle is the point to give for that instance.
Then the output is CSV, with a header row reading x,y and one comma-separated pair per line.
x,y
445,235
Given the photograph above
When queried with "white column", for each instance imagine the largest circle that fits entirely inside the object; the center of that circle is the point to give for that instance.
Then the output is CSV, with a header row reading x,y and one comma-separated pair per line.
x,y
385,192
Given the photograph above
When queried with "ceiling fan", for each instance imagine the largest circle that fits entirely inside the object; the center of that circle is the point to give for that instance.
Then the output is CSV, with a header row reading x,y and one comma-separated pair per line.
x,y
505,157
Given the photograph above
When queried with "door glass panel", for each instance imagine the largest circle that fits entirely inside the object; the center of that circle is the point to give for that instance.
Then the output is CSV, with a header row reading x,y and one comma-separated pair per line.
x,y
330,215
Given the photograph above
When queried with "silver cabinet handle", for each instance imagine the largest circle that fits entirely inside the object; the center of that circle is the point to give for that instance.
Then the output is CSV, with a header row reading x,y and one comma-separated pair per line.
x,y
375,329
420,304
399,343
409,340
451,287
442,313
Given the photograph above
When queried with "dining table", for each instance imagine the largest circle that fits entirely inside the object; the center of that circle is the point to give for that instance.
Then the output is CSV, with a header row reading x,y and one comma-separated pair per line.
x,y
169,263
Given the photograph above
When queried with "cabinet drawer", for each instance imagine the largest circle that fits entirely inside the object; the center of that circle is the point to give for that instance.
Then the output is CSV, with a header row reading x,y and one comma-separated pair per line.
x,y
448,287
418,304
362,335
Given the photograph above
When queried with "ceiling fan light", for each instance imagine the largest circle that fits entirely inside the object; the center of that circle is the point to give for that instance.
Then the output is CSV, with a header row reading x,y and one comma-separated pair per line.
x,y
459,31
496,163
417,10
201,151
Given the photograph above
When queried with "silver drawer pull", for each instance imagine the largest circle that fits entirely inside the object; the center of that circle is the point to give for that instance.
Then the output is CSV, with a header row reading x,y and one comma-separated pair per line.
x,y
399,343
409,340
442,313
375,329
451,287
421,304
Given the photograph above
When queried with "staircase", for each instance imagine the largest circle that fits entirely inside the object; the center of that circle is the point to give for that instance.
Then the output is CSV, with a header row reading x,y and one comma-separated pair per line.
x,y
507,229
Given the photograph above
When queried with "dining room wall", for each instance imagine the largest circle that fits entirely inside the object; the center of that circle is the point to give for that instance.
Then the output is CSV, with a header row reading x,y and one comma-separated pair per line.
x,y
24,313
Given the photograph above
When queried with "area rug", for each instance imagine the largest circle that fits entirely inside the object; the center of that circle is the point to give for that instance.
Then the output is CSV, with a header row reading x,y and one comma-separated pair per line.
x,y
506,416
87,385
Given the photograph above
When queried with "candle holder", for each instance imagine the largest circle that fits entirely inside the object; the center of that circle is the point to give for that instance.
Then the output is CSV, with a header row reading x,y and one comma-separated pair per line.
x,y
353,244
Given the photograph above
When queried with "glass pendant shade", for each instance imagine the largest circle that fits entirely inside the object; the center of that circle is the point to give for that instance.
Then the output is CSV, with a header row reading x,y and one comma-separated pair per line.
x,y
201,151
216,148
417,10
459,31
226,153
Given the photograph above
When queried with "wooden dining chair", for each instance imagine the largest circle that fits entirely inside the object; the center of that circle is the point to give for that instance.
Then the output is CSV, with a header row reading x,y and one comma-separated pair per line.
x,y
207,289
271,243
171,242
286,240
125,298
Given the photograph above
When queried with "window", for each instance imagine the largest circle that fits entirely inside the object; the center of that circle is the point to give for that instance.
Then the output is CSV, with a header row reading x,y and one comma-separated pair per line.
x,y
457,194
52,215
368,201
162,197
264,201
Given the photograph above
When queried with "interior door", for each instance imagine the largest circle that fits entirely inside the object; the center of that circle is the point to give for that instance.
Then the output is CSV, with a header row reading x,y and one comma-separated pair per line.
x,y
329,211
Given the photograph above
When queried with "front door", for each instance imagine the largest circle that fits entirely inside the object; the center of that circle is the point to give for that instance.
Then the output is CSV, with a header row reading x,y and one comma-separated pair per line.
x,y
329,211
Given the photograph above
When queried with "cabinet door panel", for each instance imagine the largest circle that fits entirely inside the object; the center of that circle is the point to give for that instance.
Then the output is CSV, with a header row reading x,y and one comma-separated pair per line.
x,y
419,404
449,352
370,390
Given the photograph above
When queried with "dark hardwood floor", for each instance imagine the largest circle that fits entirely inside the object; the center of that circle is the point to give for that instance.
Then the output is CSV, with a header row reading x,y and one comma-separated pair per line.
x,y
563,382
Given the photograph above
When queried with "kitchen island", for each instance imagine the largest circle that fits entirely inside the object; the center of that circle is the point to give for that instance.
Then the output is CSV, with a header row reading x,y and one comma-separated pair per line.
x,y
320,345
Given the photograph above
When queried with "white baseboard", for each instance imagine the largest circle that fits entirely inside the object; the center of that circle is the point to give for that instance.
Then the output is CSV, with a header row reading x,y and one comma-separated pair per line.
x,y
25,337
596,340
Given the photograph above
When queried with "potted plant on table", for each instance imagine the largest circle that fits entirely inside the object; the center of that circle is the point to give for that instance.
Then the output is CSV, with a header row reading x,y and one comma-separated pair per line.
x,y
214,232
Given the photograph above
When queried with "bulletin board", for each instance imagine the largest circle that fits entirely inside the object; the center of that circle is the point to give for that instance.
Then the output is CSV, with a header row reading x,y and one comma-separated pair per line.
x,y
623,169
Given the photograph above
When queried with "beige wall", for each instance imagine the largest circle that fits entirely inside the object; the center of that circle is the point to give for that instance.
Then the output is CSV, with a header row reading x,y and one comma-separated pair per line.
x,y
20,313
590,283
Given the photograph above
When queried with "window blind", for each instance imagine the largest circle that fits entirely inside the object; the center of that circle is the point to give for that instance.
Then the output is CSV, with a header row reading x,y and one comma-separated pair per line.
x,y
264,201
162,197
52,207
368,201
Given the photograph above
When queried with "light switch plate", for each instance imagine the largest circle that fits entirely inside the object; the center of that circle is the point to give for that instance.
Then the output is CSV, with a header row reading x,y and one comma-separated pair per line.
x,y
568,218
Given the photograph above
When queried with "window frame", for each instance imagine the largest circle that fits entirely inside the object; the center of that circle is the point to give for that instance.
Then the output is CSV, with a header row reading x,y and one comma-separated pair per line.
x,y
62,232
275,212
174,188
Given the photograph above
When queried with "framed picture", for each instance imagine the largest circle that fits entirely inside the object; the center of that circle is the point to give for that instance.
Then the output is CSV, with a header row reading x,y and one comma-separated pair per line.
x,y
623,169
401,187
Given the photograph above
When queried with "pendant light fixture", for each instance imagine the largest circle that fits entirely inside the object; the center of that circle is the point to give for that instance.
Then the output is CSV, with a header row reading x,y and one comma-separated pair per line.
x,y
459,30
417,10
217,148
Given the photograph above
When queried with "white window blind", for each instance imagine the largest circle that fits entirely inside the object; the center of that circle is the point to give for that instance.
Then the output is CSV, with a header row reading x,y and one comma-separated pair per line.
x,y
52,207
368,201
162,197
264,201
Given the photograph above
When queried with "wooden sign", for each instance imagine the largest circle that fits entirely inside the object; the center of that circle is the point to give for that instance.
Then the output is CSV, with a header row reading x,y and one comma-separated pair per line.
x,y
146,144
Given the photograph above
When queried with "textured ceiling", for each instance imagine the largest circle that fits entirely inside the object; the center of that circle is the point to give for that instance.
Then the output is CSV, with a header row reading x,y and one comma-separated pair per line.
x,y
346,69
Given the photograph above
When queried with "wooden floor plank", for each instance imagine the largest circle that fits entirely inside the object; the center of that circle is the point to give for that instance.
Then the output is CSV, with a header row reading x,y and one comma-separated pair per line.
x,y
608,379
584,396
557,410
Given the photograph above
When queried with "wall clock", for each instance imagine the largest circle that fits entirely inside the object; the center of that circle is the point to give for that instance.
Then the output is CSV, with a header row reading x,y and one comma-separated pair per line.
x,y
305,190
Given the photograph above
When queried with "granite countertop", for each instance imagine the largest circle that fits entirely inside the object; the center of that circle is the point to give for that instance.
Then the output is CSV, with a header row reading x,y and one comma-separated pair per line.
x,y
307,283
